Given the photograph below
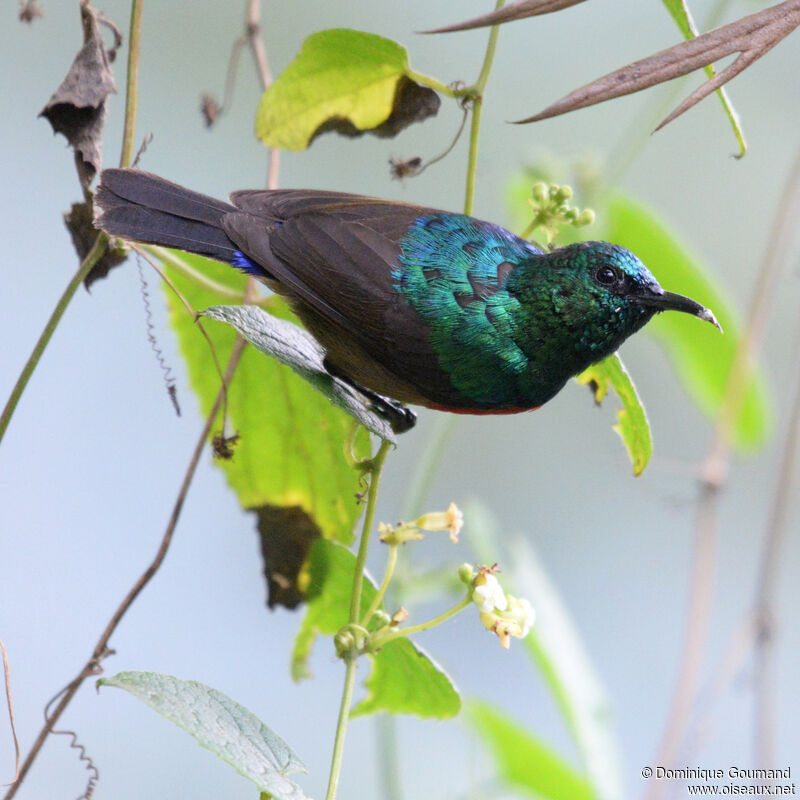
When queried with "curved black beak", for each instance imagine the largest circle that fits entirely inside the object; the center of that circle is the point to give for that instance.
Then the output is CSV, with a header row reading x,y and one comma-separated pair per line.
x,y
669,301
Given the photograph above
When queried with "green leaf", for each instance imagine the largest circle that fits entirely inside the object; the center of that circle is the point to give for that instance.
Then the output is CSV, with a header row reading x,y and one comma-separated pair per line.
x,y
632,424
220,725
291,451
701,356
680,12
556,647
406,680
299,350
524,761
343,80
328,594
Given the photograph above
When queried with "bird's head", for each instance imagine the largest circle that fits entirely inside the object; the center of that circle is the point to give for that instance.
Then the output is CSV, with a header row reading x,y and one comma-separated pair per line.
x,y
601,293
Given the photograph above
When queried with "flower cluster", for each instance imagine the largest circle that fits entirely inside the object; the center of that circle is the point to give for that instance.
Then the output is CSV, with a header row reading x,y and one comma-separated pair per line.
x,y
550,203
501,613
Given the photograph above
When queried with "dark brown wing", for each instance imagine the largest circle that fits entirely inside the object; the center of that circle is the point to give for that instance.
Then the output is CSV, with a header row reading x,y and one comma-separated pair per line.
x,y
335,253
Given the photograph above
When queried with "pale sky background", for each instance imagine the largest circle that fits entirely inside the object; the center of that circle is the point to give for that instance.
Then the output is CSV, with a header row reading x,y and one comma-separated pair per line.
x,y
94,456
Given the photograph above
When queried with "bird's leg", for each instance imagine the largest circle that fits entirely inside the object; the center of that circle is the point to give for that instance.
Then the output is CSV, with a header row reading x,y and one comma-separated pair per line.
x,y
400,417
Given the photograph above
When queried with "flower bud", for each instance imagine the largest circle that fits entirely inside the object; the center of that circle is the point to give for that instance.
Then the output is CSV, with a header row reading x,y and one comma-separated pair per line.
x,y
539,193
562,193
466,573
586,217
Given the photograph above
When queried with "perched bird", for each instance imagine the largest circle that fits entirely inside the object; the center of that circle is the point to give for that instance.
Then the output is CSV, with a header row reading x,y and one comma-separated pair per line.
x,y
411,304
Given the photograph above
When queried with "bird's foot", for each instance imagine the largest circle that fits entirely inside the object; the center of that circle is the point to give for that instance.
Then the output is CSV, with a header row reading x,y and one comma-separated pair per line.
x,y
400,418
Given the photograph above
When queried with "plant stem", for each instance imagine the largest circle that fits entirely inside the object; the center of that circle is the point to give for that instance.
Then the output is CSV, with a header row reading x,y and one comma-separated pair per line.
x,y
92,257
714,471
351,658
100,243
380,641
438,86
477,110
101,650
132,87
394,549
366,529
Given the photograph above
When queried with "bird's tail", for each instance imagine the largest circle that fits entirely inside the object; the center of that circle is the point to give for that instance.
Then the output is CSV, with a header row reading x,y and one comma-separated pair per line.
x,y
142,207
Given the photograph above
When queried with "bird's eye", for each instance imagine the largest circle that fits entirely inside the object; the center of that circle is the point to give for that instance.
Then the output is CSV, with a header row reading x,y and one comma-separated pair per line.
x,y
606,276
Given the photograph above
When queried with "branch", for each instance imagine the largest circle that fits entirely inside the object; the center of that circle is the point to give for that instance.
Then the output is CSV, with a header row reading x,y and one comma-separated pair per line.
x,y
101,650
714,477
10,706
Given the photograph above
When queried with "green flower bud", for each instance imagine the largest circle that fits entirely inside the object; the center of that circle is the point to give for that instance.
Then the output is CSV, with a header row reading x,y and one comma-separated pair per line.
x,y
539,193
586,217
380,619
466,574
563,193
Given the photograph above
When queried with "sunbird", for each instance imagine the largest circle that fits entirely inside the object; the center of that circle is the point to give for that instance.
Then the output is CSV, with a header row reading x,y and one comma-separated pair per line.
x,y
411,304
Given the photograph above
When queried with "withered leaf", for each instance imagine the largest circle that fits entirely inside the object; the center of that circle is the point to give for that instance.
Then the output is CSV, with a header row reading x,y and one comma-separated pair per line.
x,y
286,534
412,103
513,11
751,37
81,228
77,109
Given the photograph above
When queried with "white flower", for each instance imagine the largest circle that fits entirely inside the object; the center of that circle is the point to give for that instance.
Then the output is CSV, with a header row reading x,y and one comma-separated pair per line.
x,y
516,620
488,595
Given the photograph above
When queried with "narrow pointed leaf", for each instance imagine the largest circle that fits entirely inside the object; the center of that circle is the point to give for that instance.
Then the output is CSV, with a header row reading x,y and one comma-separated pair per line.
x,y
406,680
220,725
679,10
343,80
513,11
751,37
632,424
524,761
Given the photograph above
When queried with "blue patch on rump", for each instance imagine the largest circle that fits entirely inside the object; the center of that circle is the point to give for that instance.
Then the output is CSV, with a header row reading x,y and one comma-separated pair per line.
x,y
247,265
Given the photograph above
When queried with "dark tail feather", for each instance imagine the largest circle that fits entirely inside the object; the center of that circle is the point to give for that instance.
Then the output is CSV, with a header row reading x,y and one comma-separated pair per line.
x,y
145,208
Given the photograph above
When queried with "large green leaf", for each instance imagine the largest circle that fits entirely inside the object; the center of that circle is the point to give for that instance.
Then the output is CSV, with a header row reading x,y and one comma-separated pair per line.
x,y
343,80
291,449
403,679
679,11
406,680
702,357
328,599
556,647
632,424
220,725
524,761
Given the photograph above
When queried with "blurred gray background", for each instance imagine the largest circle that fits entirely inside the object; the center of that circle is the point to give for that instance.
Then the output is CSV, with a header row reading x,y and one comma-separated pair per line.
x,y
94,457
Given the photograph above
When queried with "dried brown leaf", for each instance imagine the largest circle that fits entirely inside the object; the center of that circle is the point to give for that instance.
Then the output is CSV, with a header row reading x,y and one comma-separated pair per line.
x,y
286,534
81,228
514,11
751,37
412,103
77,109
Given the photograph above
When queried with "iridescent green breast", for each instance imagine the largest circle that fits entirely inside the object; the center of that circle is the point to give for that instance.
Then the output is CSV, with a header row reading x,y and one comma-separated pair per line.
x,y
453,271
